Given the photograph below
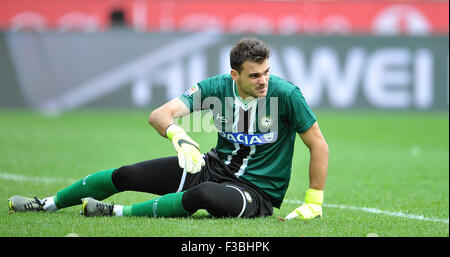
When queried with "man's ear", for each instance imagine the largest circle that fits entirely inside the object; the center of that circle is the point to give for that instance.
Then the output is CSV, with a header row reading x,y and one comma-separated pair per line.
x,y
234,74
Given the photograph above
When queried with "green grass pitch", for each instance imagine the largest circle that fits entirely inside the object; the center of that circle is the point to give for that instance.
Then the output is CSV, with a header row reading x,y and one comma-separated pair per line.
x,y
388,175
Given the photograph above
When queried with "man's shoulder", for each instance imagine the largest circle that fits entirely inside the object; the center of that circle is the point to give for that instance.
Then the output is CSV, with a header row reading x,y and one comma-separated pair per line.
x,y
218,80
219,85
280,85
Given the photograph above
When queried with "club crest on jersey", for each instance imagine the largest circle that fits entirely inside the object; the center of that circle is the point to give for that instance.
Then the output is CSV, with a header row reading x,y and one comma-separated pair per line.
x,y
248,140
191,90
266,122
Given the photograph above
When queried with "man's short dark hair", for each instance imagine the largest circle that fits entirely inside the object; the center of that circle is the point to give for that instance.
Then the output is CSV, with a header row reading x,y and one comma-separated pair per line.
x,y
248,49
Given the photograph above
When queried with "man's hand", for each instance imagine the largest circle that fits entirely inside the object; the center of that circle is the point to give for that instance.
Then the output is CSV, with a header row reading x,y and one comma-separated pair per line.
x,y
189,156
311,209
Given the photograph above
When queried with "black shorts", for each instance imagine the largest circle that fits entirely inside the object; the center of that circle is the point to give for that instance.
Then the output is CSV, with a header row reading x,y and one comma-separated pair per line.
x,y
256,203
162,176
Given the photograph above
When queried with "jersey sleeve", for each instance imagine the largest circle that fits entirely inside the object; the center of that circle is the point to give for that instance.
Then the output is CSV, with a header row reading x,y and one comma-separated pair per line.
x,y
194,95
298,113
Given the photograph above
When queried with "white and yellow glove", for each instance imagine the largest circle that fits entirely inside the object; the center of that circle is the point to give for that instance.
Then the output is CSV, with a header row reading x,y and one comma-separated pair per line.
x,y
189,156
311,208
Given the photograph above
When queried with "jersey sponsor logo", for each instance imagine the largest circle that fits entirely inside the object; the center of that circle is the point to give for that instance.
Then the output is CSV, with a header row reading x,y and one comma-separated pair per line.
x,y
191,90
248,140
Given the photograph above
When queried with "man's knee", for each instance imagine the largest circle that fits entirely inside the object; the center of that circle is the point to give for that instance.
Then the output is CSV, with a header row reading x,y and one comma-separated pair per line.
x,y
218,199
206,193
201,196
120,177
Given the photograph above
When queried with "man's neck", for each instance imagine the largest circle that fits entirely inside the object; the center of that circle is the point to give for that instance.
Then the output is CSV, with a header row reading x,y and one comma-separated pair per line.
x,y
243,97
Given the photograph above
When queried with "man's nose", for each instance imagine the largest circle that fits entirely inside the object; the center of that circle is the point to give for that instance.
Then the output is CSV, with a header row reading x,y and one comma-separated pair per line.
x,y
263,80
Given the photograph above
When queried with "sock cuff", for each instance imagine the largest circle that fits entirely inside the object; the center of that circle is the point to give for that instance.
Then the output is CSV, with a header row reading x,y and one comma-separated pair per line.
x,y
126,210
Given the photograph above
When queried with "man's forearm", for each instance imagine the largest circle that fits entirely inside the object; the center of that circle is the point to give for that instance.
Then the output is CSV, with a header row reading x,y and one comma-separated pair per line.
x,y
318,167
162,117
160,122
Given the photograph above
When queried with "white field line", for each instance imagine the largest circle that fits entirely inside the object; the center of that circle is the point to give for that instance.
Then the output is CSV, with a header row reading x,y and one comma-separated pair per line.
x,y
52,180
376,211
43,180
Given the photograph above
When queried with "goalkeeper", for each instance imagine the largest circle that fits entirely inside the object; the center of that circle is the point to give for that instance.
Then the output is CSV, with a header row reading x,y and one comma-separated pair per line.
x,y
257,116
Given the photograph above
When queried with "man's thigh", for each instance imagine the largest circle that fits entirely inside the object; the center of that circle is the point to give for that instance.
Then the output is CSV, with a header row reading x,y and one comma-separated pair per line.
x,y
158,176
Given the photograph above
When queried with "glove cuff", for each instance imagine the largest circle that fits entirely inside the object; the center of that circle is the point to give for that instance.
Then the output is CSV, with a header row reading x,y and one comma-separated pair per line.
x,y
172,130
314,196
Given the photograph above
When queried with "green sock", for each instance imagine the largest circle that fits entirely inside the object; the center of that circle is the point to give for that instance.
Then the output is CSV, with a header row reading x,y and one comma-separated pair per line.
x,y
168,205
98,186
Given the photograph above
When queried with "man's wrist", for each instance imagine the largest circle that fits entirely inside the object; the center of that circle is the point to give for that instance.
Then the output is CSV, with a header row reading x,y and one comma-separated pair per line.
x,y
172,129
314,196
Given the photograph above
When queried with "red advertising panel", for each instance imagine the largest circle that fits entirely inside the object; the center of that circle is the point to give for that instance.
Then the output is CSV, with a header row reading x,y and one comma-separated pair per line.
x,y
285,17
64,15
232,16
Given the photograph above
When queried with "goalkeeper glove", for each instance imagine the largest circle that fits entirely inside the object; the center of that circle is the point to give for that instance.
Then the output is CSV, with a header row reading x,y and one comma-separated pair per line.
x,y
189,156
311,208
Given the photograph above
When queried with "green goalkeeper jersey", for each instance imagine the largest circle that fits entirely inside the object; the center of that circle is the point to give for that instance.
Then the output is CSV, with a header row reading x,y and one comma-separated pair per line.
x,y
255,137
